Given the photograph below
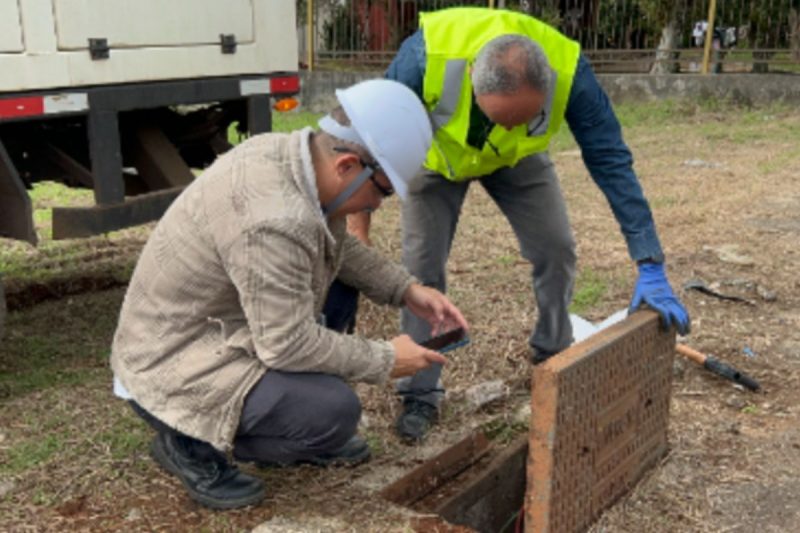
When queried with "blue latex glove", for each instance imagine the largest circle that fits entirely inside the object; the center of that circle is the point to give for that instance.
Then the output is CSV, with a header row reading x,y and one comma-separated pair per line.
x,y
652,288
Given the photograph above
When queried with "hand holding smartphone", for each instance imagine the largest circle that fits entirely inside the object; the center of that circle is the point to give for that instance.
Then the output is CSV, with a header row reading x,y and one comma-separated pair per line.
x,y
447,341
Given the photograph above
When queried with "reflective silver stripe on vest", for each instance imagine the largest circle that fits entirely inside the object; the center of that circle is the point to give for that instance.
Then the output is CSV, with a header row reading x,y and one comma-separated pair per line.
x,y
451,90
541,122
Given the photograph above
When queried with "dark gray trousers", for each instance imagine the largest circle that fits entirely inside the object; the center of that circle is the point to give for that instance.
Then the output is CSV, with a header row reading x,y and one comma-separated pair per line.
x,y
530,197
287,417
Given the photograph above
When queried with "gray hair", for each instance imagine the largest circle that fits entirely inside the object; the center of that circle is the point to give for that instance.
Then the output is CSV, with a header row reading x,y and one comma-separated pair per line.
x,y
330,141
509,62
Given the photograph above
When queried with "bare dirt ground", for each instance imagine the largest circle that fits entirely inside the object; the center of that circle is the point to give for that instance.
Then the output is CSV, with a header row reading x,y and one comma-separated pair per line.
x,y
724,187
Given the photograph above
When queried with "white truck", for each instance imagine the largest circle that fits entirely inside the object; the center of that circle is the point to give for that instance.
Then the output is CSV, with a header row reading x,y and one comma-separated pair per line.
x,y
125,97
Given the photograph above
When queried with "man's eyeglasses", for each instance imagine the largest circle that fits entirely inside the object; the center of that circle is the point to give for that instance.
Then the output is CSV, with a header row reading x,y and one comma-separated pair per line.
x,y
375,167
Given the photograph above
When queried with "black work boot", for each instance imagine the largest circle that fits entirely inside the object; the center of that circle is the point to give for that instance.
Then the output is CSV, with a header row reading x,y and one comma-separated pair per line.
x,y
416,420
207,475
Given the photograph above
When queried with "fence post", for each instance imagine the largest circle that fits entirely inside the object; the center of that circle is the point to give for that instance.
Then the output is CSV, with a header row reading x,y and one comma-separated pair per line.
x,y
712,8
310,35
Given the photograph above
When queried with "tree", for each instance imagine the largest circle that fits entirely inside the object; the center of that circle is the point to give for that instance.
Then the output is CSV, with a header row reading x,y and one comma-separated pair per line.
x,y
767,23
671,16
794,33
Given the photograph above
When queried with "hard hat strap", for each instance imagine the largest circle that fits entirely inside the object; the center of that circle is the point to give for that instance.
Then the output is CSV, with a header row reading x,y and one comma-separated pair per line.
x,y
349,191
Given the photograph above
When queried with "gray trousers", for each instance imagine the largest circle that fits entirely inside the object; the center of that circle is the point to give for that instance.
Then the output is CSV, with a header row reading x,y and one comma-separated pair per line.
x,y
287,417
530,197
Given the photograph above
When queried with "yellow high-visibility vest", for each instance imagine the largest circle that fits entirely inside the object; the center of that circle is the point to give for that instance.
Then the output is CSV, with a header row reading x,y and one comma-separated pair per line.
x,y
453,37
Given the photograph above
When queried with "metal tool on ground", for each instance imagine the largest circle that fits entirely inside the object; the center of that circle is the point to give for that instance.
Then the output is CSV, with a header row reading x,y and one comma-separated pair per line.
x,y
718,367
700,286
582,328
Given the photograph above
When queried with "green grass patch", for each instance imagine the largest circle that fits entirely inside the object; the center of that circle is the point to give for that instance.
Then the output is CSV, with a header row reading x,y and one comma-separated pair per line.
x,y
660,202
374,442
750,409
294,120
102,256
778,162
41,378
635,114
590,288
72,350
502,430
562,140
49,193
40,361
507,259
31,453
281,122
715,119
126,436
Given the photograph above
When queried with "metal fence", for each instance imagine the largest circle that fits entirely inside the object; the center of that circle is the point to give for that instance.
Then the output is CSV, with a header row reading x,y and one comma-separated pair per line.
x,y
617,35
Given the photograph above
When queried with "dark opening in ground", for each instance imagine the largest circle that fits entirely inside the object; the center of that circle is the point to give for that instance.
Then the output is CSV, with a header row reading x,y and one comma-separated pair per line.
x,y
474,483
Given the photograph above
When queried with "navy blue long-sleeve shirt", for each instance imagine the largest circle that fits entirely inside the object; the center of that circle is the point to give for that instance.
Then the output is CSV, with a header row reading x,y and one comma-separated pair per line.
x,y
597,131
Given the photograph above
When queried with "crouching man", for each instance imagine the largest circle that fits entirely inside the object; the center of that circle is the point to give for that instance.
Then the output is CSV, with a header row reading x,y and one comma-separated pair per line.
x,y
219,346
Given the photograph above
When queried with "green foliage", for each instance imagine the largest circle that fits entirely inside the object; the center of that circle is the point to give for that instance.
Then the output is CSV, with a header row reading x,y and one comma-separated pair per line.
x,y
765,22
547,11
343,30
661,12
617,20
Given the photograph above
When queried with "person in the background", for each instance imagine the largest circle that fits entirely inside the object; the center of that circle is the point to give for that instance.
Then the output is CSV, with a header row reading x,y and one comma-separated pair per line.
x,y
341,306
498,85
219,344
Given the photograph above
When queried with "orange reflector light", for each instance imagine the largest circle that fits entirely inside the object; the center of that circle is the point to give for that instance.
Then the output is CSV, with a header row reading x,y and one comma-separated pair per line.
x,y
285,104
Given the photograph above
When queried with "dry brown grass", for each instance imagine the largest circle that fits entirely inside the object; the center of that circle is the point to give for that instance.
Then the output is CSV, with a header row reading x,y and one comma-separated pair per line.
x,y
76,459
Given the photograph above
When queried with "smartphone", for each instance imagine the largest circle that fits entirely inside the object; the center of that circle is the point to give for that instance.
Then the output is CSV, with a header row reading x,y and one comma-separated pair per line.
x,y
450,340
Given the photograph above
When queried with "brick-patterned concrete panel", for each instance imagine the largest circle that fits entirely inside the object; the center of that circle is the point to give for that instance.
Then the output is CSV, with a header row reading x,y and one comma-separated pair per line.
x,y
600,411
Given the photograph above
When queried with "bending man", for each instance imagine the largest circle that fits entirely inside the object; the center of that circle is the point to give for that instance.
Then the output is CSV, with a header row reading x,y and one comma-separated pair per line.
x,y
498,85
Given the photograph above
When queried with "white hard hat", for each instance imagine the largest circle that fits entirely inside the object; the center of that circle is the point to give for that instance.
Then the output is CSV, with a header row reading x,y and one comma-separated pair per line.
x,y
389,120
